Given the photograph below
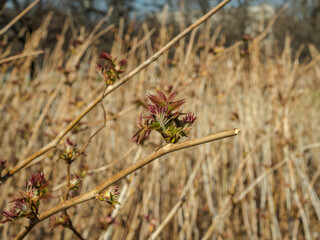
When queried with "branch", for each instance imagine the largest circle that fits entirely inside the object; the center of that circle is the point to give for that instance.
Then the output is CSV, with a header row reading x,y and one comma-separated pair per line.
x,y
22,55
109,90
270,24
72,228
16,19
169,148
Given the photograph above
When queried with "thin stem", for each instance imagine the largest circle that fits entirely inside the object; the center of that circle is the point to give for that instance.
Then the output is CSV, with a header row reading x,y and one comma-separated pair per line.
x,y
68,182
71,227
95,133
22,55
110,89
132,168
16,19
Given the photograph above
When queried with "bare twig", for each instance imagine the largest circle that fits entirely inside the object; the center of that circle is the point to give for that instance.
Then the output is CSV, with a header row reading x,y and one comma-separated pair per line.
x,y
132,168
110,89
67,182
22,55
72,228
16,19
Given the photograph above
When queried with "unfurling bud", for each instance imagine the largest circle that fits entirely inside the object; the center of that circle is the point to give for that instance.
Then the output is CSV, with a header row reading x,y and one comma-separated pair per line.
x,y
26,204
61,220
110,196
109,69
75,182
164,118
70,152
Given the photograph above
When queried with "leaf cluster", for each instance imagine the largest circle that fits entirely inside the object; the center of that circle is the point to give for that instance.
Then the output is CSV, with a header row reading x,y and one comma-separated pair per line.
x,y
165,118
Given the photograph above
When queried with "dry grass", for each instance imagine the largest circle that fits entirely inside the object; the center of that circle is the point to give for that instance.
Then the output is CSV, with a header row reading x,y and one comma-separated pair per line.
x,y
263,184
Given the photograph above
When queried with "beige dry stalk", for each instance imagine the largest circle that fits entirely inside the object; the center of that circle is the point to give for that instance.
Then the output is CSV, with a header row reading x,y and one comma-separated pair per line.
x,y
110,89
16,19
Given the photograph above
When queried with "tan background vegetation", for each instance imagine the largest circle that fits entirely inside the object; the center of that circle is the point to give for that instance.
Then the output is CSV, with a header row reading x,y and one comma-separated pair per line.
x,y
269,173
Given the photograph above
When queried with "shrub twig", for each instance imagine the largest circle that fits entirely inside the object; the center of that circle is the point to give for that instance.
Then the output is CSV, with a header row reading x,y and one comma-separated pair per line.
x,y
169,148
16,19
126,78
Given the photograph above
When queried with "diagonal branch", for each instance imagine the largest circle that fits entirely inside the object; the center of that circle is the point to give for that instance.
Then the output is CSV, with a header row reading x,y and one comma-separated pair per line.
x,y
16,19
169,148
110,89
22,55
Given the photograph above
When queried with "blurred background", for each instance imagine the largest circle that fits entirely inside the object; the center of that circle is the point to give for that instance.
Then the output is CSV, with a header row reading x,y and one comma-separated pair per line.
x,y
301,19
254,65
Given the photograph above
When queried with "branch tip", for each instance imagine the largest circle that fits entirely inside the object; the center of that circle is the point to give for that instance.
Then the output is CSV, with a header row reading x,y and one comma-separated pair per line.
x,y
237,131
